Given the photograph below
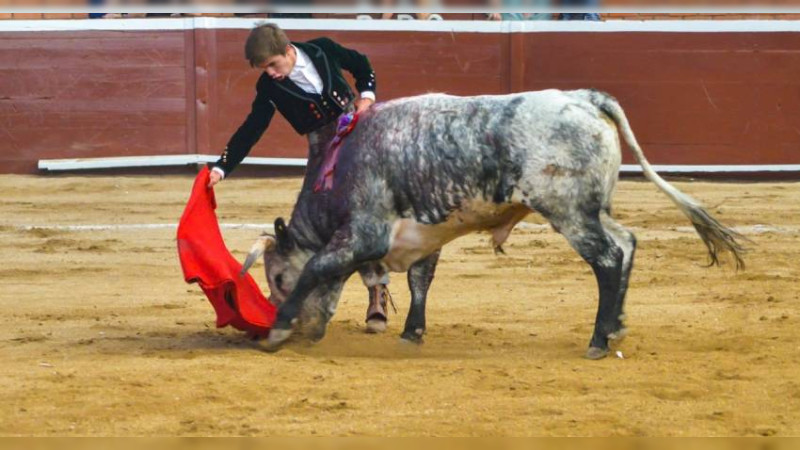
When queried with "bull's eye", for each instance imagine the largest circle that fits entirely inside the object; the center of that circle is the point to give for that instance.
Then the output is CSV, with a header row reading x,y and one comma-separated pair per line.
x,y
279,281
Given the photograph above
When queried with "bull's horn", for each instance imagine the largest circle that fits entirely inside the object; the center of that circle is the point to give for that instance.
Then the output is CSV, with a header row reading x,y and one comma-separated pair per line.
x,y
263,244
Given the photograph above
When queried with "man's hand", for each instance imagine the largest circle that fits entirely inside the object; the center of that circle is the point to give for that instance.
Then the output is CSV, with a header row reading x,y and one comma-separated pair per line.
x,y
213,178
363,104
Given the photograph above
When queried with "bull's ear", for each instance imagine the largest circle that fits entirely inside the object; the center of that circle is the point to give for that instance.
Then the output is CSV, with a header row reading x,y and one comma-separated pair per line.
x,y
284,240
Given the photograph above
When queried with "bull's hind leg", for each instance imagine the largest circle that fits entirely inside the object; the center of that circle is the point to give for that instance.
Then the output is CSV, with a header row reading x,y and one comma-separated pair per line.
x,y
627,242
596,246
420,276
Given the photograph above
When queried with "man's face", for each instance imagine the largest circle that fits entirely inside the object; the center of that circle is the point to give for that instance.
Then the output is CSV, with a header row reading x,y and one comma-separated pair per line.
x,y
279,67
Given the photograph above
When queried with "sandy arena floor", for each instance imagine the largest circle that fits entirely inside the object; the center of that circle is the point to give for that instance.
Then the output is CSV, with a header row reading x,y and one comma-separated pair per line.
x,y
101,336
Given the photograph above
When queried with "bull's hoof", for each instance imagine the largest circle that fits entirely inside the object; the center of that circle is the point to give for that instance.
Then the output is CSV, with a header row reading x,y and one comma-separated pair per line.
x,y
413,336
596,353
276,339
376,326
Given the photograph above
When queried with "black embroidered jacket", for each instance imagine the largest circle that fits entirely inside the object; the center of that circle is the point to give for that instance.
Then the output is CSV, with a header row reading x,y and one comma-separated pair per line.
x,y
305,111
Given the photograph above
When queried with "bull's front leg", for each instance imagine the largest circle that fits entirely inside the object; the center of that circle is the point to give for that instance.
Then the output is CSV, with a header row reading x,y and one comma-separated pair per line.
x,y
325,273
420,276
327,269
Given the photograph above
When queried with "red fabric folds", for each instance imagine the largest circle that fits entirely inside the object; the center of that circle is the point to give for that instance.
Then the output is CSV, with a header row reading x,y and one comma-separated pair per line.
x,y
236,299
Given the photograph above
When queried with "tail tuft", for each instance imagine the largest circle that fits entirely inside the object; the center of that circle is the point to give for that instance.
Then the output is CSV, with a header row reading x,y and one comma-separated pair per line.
x,y
717,237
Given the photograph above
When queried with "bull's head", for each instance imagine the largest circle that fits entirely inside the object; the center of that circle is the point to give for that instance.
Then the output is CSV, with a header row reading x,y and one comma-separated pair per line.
x,y
283,263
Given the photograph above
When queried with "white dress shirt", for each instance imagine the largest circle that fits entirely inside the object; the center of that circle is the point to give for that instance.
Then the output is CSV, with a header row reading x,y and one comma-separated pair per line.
x,y
304,74
306,77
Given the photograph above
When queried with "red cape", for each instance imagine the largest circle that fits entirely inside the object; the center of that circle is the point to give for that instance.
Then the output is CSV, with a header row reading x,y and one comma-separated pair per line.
x,y
237,300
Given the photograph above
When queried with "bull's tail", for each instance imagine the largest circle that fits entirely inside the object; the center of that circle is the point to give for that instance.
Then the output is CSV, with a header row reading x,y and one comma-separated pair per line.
x,y
717,237
258,249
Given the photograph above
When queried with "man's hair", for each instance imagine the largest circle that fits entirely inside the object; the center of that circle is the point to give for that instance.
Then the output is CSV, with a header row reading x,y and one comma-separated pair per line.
x,y
264,42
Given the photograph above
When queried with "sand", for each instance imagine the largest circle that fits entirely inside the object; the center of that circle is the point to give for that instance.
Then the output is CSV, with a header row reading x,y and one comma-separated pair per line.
x,y
101,336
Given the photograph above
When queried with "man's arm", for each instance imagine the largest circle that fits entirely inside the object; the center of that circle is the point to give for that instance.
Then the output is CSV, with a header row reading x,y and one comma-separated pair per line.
x,y
355,63
245,137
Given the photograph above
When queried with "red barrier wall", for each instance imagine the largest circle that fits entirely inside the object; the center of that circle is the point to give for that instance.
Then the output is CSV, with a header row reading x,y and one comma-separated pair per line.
x,y
692,98
91,94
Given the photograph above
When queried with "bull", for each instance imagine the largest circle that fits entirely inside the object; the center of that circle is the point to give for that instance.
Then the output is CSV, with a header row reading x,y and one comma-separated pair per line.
x,y
421,171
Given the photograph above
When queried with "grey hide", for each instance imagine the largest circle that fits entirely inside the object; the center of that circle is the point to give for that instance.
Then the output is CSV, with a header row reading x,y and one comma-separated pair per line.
x,y
419,172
